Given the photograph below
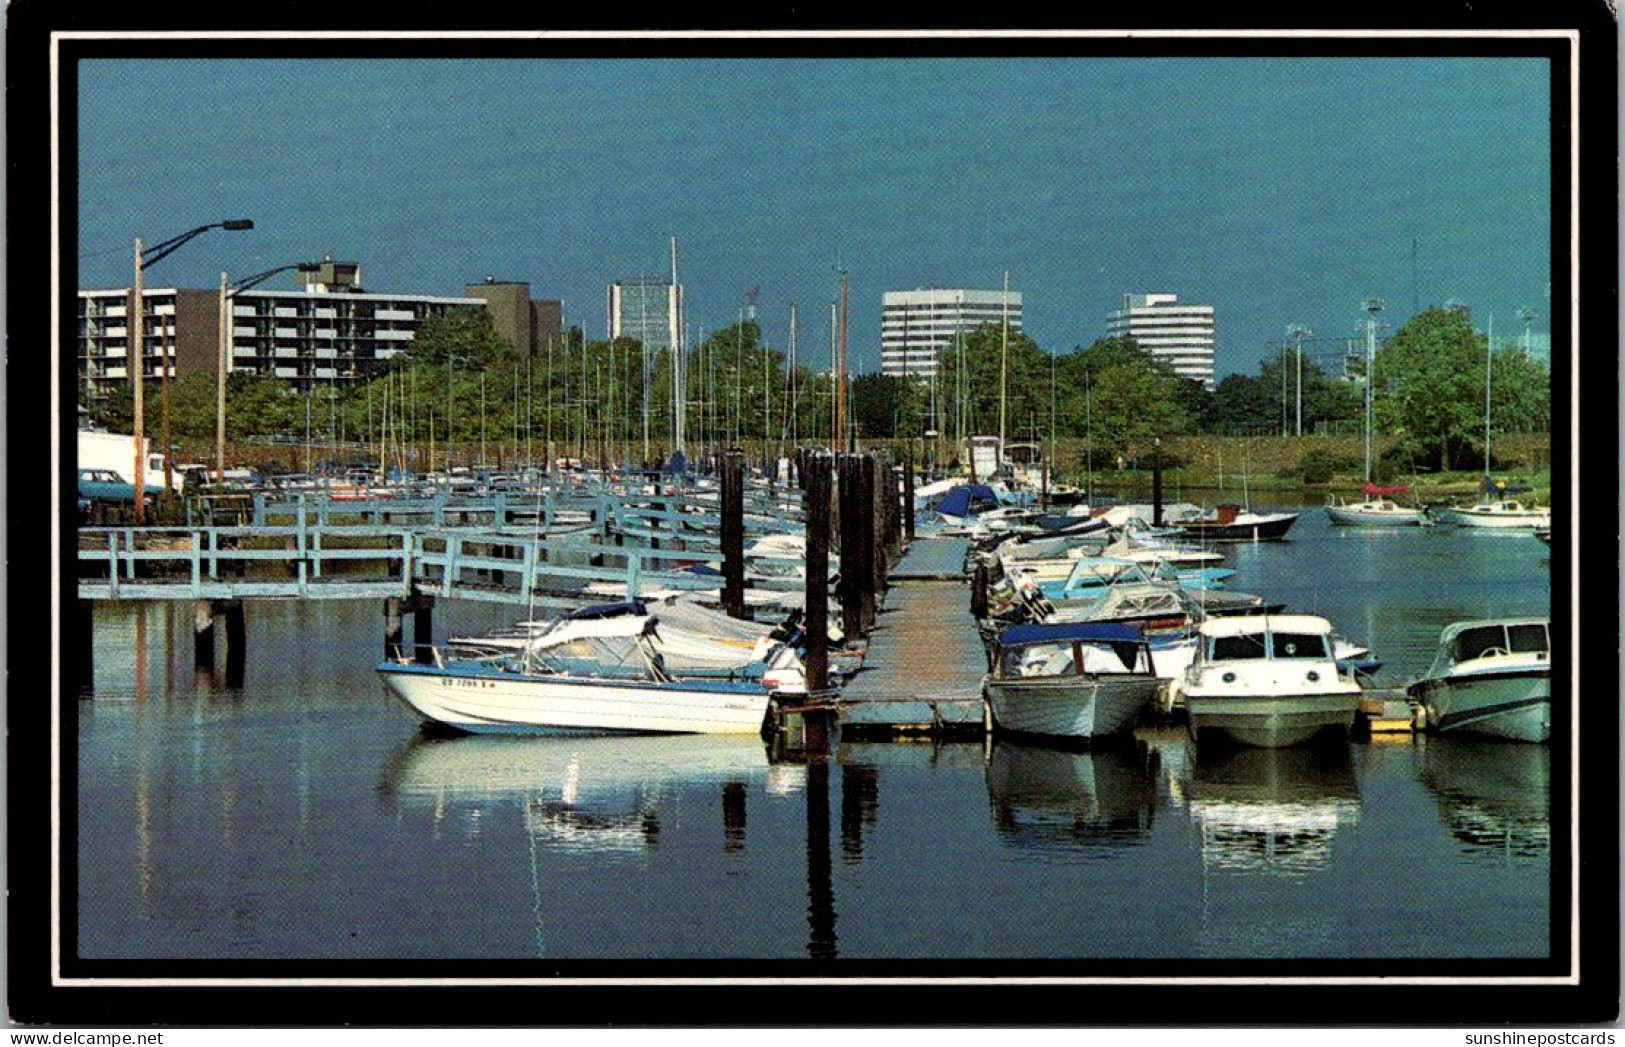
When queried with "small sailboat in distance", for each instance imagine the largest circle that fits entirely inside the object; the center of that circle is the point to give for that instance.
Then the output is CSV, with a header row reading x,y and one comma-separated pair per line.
x,y
1378,509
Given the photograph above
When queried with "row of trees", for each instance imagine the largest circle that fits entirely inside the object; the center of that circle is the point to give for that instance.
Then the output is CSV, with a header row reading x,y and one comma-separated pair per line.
x,y
462,384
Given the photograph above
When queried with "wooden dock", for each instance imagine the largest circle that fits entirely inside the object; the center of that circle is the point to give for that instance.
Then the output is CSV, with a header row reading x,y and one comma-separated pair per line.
x,y
923,671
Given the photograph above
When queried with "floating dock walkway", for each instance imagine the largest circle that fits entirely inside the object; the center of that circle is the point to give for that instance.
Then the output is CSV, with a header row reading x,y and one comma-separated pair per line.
x,y
923,672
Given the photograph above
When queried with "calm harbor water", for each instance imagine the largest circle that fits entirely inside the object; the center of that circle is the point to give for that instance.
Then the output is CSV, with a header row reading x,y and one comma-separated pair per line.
x,y
304,815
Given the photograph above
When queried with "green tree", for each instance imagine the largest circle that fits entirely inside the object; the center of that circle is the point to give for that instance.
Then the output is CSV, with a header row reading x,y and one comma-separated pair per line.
x,y
467,337
1123,396
971,367
1429,386
886,406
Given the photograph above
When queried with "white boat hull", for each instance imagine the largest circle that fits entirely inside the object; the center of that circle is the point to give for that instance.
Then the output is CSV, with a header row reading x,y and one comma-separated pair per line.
x,y
512,703
1513,705
1358,516
1070,707
1271,721
1466,518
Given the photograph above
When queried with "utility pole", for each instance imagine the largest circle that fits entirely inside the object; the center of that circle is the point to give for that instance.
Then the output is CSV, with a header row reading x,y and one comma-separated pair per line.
x,y
137,369
222,365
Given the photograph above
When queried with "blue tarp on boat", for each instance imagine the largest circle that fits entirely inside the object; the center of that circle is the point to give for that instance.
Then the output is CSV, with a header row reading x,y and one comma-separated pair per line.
x,y
607,610
1063,632
964,499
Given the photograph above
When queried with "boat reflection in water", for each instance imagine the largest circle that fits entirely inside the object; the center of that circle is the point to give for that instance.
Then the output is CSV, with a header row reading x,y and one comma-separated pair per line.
x,y
1065,799
590,793
1272,811
1494,798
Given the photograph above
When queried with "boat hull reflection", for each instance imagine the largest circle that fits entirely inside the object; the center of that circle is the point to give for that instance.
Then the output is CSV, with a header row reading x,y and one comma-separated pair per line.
x,y
1272,811
1049,798
596,792
1495,799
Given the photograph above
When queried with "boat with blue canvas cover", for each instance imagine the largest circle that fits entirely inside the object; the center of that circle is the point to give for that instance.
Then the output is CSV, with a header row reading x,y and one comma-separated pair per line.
x,y
1075,680
1491,678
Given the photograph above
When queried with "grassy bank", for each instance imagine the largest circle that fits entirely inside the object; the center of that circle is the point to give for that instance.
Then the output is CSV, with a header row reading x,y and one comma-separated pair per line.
x,y
1228,465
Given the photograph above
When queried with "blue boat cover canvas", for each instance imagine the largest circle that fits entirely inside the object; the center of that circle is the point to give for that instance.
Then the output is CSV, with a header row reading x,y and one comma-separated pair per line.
x,y
677,464
1062,632
958,501
607,610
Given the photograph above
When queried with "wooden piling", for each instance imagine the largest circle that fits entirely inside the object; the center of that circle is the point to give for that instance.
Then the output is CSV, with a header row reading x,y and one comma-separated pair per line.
x,y
84,639
854,576
422,628
733,533
1156,486
232,628
203,634
394,632
815,474
908,495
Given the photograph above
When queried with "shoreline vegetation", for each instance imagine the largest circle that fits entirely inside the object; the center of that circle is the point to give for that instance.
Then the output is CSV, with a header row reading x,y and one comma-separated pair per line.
x,y
1228,466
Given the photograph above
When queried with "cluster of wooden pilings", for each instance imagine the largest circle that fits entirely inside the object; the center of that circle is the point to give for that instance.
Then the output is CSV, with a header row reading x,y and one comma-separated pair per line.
x,y
863,505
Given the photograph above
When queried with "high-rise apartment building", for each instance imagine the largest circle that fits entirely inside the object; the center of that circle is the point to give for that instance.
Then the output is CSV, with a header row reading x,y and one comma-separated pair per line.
x,y
1178,333
916,325
329,332
645,308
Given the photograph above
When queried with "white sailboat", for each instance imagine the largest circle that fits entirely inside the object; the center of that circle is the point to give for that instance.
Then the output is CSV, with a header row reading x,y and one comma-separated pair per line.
x,y
1492,511
1378,509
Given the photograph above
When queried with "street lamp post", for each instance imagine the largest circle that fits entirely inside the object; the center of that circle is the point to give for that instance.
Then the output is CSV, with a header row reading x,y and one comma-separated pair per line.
x,y
228,290
1299,333
145,258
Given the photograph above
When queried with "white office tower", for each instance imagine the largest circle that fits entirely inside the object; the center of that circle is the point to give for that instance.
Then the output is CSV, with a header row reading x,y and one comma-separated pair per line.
x,y
916,325
1179,334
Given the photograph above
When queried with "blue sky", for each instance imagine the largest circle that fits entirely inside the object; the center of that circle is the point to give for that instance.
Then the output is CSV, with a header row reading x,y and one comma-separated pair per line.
x,y
1279,190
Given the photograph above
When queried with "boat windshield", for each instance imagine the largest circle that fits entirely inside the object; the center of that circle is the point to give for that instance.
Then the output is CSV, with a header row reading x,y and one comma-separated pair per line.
x,y
1061,659
1298,645
1486,640
1478,642
1245,646
1237,648
1531,637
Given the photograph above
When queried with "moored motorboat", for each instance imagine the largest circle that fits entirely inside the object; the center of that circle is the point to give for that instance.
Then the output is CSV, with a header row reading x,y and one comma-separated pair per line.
x,y
1076,681
1268,680
1234,523
1490,678
598,675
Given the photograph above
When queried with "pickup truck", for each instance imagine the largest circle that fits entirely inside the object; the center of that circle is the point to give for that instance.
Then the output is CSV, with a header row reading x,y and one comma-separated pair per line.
x,y
105,485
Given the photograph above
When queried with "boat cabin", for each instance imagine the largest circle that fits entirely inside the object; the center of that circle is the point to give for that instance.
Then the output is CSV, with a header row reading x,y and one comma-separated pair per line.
x,y
1070,649
1467,641
1274,637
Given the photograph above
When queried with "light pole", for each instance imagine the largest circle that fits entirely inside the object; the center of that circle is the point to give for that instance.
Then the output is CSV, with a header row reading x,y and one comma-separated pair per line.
x,y
145,258
229,290
1298,333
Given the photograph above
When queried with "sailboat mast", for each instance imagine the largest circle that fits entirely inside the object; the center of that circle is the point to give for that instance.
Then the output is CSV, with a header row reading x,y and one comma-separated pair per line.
x,y
1004,355
1373,306
842,432
1489,349
678,378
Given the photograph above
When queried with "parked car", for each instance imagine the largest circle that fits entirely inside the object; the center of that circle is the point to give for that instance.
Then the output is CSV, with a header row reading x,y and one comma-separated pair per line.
x,y
105,485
